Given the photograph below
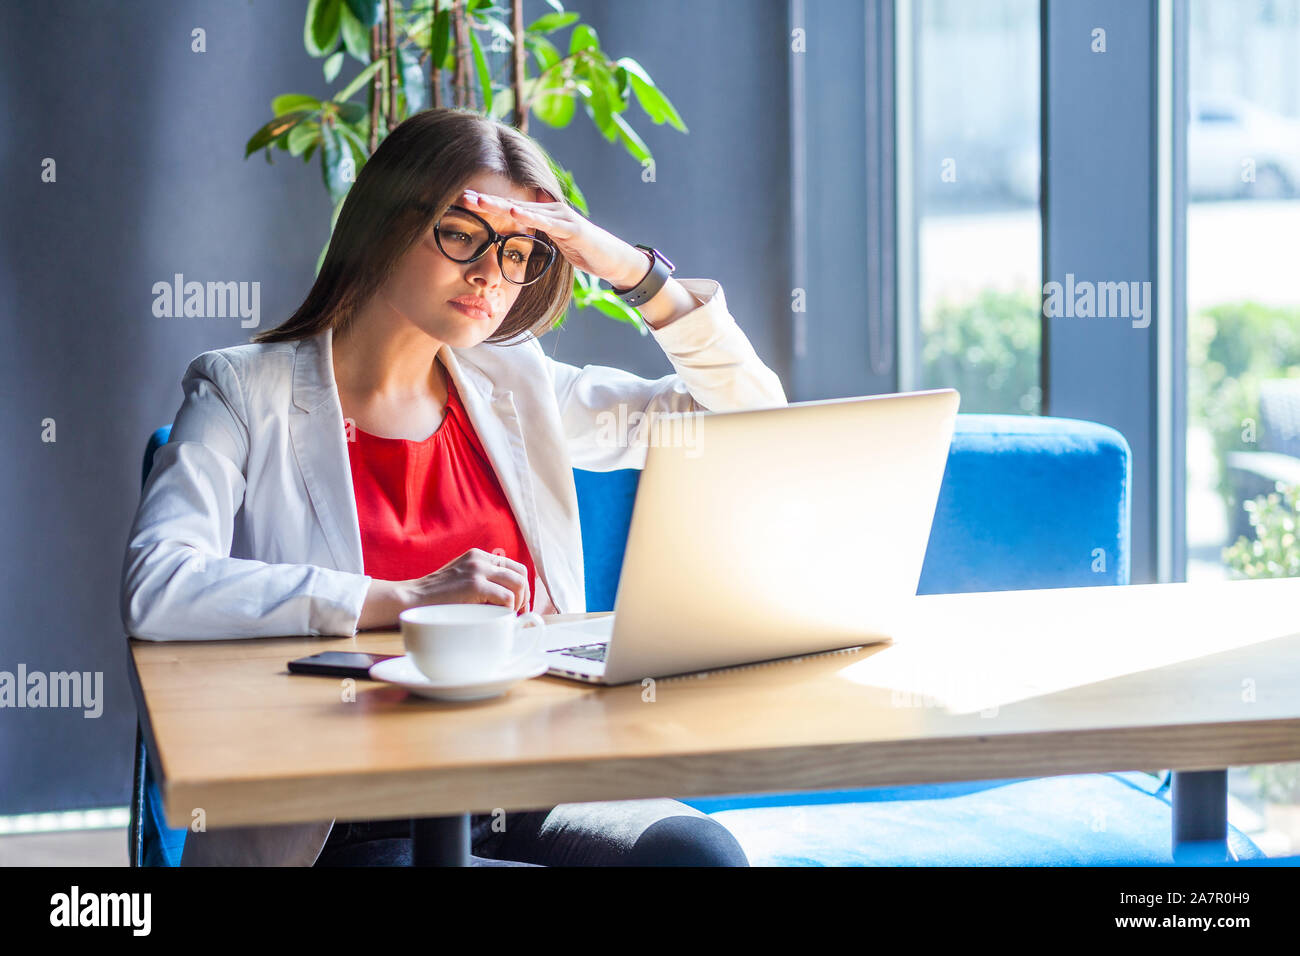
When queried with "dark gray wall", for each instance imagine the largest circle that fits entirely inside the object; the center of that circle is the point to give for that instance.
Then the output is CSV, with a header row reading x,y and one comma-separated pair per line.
x,y
148,137
844,97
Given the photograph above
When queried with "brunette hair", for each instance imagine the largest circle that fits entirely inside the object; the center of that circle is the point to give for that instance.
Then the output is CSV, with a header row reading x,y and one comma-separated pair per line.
x,y
419,170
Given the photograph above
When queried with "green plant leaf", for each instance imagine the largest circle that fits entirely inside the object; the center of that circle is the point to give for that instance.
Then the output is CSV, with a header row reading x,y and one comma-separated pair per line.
x,y
503,104
656,105
359,81
597,104
358,154
583,37
577,197
367,12
544,50
332,66
597,71
482,10
274,130
351,112
550,22
553,105
357,144
289,102
614,307
413,80
556,5
334,216
651,98
331,154
572,194
353,133
302,136
441,36
334,165
480,65
634,69
320,31
417,28
356,36
635,145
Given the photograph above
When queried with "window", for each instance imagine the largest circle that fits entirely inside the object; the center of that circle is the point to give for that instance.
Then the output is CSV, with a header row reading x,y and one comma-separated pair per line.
x,y
1243,322
976,223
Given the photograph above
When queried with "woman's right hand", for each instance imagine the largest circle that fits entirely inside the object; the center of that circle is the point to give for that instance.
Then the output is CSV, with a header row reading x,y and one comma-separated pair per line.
x,y
476,577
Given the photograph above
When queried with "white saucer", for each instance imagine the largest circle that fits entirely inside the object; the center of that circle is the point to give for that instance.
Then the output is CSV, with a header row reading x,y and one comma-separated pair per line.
x,y
403,672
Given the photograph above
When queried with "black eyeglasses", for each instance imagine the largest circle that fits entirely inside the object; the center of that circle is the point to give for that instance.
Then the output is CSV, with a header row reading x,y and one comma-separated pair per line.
x,y
464,236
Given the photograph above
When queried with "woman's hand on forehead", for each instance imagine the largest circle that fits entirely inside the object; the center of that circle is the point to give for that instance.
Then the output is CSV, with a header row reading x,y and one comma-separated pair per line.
x,y
585,245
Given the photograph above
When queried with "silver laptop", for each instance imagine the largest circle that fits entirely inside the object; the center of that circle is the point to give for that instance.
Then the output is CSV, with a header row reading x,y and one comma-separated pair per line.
x,y
769,533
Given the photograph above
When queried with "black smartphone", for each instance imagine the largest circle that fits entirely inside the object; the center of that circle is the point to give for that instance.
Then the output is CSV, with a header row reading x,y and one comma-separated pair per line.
x,y
338,664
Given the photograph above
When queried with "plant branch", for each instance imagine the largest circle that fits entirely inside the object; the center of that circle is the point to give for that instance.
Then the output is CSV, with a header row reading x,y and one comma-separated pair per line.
x,y
517,28
391,32
435,68
464,92
373,140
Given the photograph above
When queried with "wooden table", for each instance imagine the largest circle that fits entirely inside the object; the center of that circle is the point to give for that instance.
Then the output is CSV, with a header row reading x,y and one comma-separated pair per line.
x,y
991,685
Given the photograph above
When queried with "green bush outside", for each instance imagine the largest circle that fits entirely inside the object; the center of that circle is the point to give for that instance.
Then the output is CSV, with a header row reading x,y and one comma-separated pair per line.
x,y
988,349
1231,349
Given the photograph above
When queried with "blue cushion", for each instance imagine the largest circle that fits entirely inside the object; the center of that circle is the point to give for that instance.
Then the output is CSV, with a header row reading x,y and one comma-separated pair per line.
x,y
163,845
156,440
1025,502
924,791
605,514
1077,820
1030,502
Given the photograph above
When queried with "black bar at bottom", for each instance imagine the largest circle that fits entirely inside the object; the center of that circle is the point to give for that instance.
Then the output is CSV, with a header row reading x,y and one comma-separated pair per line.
x,y
1200,804
440,841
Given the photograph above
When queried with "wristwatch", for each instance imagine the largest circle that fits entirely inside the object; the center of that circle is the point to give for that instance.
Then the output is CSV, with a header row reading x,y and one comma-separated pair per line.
x,y
645,290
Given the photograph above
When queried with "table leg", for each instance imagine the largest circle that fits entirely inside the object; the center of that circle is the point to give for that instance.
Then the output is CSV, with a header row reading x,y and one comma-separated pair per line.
x,y
1200,805
440,841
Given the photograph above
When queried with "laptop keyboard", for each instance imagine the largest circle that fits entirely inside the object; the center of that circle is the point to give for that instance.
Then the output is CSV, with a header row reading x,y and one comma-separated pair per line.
x,y
588,652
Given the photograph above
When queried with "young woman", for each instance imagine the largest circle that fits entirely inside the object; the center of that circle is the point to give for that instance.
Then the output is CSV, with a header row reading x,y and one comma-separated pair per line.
x,y
403,439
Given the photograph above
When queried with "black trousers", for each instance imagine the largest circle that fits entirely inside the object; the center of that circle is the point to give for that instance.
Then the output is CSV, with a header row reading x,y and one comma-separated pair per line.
x,y
657,832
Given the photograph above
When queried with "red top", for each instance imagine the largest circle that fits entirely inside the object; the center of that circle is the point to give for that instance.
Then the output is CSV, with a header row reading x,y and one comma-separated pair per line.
x,y
422,504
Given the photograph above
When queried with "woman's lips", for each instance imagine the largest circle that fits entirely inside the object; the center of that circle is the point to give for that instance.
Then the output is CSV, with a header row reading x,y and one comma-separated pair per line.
x,y
474,308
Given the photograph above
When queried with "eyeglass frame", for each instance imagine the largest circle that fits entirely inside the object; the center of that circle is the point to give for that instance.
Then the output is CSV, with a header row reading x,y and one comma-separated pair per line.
x,y
494,239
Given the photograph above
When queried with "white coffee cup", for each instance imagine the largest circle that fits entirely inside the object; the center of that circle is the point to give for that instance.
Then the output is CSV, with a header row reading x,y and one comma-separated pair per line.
x,y
468,642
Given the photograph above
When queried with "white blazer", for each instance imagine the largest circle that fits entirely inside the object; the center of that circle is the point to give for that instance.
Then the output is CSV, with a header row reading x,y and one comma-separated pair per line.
x,y
247,525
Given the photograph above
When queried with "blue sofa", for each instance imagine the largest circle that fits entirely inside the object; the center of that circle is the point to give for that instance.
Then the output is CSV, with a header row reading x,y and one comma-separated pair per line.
x,y
1026,502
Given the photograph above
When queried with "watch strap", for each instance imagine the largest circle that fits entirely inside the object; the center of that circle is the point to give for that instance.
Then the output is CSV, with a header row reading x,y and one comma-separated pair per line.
x,y
658,273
